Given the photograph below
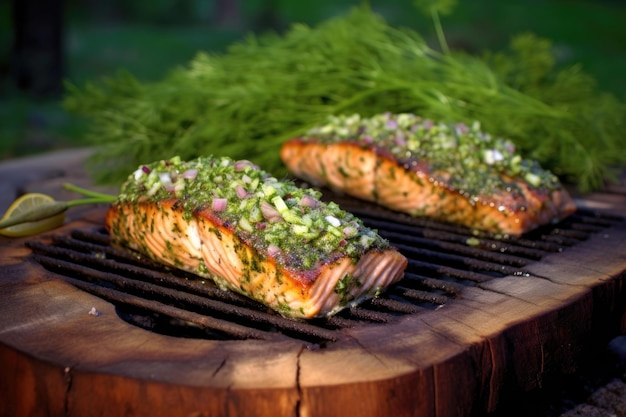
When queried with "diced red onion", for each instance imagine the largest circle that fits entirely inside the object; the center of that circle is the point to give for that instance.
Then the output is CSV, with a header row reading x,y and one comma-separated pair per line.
x,y
309,201
219,204
145,169
270,213
242,164
190,174
241,192
350,231
399,140
273,250
461,128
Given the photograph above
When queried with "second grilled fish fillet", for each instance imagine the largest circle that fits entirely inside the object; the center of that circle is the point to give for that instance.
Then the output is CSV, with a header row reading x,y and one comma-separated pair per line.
x,y
451,173
269,240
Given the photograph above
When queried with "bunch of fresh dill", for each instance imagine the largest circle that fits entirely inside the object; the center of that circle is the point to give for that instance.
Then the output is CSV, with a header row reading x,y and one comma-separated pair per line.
x,y
245,102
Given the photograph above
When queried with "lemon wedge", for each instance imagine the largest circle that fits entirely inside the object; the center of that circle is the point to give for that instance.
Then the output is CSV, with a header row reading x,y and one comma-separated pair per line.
x,y
24,205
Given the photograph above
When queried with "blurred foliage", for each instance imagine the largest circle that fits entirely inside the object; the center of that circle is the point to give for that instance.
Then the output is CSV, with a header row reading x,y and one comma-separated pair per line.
x,y
266,89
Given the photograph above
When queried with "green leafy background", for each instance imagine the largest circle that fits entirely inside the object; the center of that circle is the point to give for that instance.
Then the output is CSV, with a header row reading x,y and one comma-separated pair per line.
x,y
548,84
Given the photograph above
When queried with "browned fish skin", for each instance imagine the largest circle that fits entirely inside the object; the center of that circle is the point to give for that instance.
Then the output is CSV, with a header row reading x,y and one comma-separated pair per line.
x,y
372,173
207,244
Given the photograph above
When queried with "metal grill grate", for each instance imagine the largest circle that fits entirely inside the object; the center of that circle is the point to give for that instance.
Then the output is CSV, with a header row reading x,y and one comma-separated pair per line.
x,y
443,260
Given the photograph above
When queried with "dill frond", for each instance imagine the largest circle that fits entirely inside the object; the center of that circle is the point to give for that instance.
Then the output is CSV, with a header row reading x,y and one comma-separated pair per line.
x,y
265,89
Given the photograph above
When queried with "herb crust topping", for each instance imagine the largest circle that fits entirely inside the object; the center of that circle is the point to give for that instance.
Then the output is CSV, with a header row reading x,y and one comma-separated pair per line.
x,y
288,223
460,156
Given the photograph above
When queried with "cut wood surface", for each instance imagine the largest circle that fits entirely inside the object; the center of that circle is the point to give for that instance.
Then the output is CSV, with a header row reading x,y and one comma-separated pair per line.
x,y
499,337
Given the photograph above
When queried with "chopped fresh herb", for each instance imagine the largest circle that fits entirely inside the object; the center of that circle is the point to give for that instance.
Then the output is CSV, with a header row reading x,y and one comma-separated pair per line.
x,y
342,287
289,223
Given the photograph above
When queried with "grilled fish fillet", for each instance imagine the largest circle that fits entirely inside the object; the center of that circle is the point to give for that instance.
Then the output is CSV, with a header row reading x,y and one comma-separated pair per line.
x,y
448,172
267,239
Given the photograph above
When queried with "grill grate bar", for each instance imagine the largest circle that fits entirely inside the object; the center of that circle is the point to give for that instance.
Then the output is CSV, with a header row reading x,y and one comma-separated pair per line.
x,y
99,237
561,239
433,270
536,242
456,260
463,249
452,289
337,322
451,259
132,271
220,329
395,305
597,218
512,248
582,230
138,289
94,242
422,295
362,313
225,327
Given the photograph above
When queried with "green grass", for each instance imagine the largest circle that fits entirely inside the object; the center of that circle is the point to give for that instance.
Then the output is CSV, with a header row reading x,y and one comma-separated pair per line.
x,y
586,32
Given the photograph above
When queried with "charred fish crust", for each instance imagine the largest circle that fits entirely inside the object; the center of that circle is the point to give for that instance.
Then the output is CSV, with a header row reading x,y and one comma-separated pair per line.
x,y
177,204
